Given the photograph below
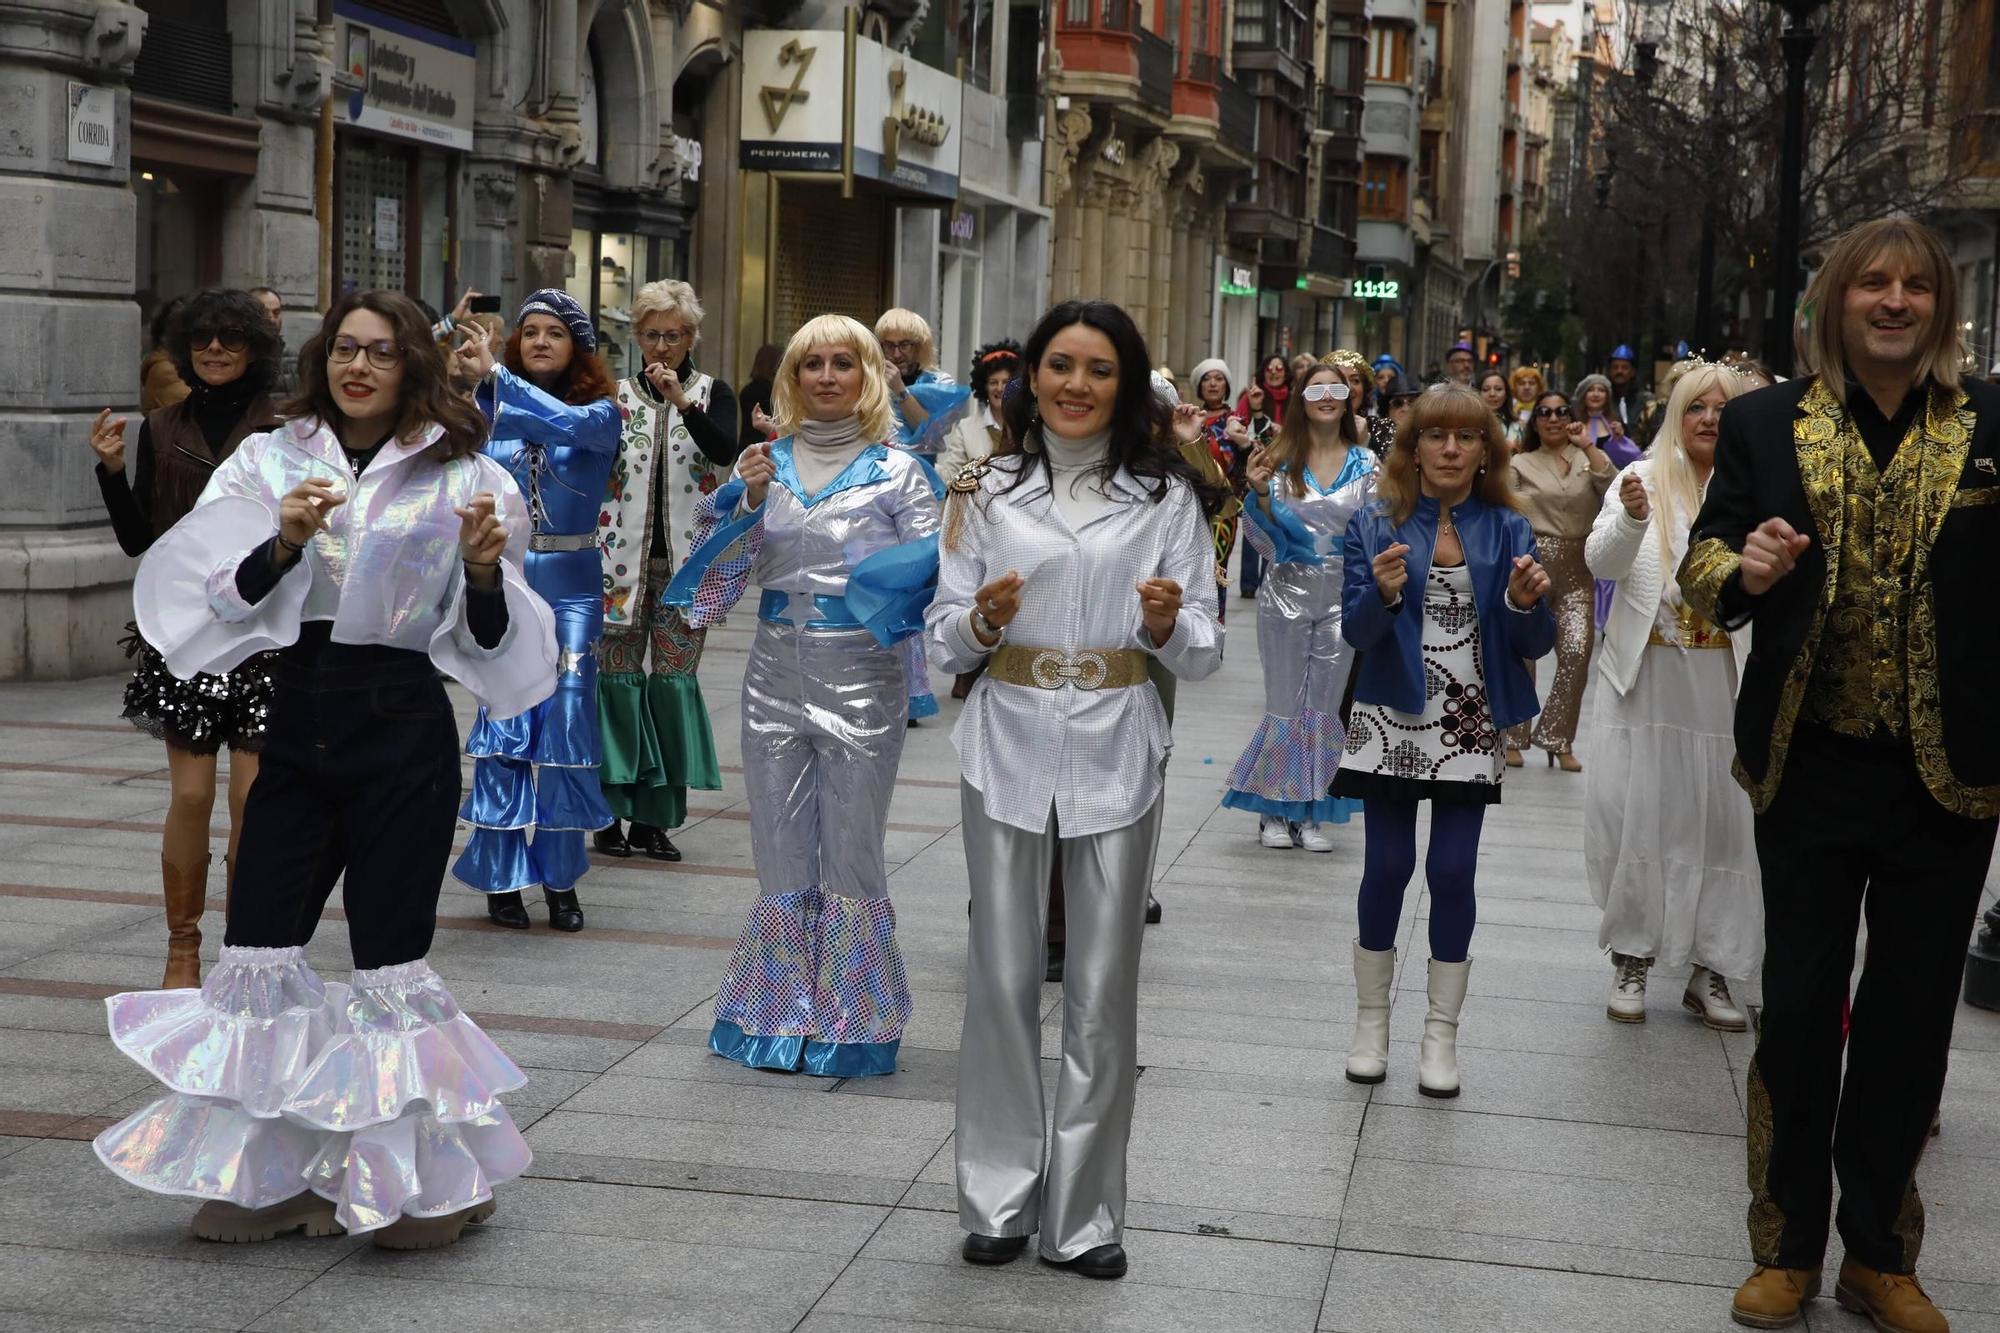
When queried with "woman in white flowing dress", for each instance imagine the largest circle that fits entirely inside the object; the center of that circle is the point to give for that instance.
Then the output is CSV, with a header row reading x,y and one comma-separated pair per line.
x,y
1667,834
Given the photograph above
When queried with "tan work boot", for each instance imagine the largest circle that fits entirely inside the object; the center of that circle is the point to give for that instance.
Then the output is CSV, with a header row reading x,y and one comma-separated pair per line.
x,y
1893,1301
1774,1297
232,1224
186,891
432,1233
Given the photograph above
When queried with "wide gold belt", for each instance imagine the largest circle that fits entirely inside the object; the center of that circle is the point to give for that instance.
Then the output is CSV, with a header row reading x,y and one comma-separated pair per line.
x,y
1052,668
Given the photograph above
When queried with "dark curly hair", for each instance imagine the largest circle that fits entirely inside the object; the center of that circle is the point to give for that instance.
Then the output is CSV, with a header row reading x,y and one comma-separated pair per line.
x,y
1000,354
426,396
1142,438
585,380
226,310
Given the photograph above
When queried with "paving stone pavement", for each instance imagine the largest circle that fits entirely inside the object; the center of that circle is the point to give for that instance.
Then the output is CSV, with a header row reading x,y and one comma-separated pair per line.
x,y
1590,1177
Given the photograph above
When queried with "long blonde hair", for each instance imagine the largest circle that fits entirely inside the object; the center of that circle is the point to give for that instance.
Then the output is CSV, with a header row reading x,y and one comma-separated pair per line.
x,y
1676,493
1898,242
1448,407
1292,450
838,331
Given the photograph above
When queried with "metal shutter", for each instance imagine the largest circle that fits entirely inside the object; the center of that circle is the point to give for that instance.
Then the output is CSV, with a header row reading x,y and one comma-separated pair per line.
x,y
832,257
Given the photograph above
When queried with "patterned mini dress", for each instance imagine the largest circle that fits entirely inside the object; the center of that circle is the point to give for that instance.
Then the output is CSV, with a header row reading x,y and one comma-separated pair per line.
x,y
1450,752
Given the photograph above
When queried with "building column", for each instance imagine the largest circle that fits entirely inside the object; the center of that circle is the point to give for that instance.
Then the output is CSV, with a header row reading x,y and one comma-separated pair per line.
x,y
1090,275
270,232
69,335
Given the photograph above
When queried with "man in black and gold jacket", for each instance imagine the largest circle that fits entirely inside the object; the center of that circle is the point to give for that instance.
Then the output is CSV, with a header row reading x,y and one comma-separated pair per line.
x,y
1854,521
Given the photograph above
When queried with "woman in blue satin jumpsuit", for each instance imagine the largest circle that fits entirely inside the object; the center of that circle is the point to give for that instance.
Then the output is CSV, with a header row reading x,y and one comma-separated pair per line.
x,y
555,428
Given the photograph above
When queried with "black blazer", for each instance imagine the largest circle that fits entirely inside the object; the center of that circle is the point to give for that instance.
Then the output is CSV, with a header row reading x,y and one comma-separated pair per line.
x,y
1773,460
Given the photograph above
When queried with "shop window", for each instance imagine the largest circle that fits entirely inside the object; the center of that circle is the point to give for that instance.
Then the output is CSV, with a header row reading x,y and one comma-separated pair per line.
x,y
374,206
1384,189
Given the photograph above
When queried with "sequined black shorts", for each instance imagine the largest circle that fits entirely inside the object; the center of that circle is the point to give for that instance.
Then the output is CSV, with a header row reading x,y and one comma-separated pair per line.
x,y
204,714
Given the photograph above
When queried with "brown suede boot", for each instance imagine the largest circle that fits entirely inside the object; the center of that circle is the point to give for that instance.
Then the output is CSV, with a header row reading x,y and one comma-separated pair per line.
x,y
1774,1297
1893,1301
186,890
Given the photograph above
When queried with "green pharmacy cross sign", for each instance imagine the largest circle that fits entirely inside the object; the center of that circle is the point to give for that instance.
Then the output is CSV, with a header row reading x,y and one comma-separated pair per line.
x,y
1374,287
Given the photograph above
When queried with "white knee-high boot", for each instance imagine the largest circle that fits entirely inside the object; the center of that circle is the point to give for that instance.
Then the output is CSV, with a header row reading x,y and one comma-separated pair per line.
x,y
1437,1057
1374,975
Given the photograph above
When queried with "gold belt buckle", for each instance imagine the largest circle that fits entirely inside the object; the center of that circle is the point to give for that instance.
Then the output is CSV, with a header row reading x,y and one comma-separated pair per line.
x,y
1052,669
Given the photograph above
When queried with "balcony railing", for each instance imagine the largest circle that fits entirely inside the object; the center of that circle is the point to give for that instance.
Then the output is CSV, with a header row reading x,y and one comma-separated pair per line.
x,y
1239,114
1203,67
1156,70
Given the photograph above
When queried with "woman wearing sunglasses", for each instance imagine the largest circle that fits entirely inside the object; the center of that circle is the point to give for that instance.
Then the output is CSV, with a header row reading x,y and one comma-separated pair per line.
x,y
1560,477
369,540
1303,489
227,355
556,430
1443,597
678,442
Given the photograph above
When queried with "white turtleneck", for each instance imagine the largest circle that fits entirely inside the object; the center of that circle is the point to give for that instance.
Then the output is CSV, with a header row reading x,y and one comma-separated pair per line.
x,y
1079,489
823,449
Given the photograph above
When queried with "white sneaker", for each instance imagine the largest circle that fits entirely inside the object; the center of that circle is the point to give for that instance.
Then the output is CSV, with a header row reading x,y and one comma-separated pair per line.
x,y
1313,840
1628,989
1708,996
1274,832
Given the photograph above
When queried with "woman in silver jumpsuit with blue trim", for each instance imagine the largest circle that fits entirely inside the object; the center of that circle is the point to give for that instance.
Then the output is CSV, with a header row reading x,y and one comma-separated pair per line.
x,y
840,532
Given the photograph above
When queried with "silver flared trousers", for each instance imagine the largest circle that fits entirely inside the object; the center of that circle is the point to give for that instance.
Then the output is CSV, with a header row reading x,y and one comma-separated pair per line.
x,y
1011,1181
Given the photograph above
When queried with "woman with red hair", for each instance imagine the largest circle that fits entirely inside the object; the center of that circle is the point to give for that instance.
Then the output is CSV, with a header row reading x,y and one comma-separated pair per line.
x,y
555,429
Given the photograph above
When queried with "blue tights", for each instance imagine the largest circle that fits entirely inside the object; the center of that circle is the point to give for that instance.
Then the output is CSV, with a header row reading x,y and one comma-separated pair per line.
x,y
1390,859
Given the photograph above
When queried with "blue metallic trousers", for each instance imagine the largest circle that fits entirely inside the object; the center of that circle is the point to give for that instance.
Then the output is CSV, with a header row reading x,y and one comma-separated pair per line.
x,y
539,770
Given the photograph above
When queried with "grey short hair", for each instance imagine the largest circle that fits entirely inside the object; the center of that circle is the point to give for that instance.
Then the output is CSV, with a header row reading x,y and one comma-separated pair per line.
x,y
669,296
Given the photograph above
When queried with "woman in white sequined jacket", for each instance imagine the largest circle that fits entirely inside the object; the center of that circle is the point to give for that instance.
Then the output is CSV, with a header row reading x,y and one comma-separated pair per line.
x,y
370,543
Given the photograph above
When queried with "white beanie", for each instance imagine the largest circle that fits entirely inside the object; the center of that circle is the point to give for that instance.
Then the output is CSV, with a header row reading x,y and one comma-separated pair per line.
x,y
1202,368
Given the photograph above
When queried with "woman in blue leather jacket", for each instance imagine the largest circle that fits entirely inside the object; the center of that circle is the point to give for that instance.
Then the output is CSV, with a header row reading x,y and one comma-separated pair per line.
x,y
1442,594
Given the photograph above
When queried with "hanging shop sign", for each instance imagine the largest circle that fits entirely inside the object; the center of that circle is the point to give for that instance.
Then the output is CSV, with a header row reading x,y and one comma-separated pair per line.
x,y
1242,281
900,127
413,83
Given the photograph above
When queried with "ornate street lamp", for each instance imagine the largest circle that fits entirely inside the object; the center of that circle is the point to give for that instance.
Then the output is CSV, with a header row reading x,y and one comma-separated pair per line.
x,y
1797,42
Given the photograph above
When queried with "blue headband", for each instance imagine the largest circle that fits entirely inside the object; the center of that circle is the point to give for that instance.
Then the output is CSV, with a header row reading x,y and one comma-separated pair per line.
x,y
553,301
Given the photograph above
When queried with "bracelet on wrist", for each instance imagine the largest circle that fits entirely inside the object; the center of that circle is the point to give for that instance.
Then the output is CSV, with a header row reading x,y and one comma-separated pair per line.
x,y
293,547
481,564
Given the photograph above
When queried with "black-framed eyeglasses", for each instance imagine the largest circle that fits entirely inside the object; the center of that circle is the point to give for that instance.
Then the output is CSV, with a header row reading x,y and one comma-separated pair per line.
x,y
1401,400
1556,413
232,337
383,354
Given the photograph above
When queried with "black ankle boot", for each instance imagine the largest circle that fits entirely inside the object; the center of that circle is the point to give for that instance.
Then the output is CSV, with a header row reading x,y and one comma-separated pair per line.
x,y
506,909
654,842
611,840
1153,912
564,912
1058,954
993,1249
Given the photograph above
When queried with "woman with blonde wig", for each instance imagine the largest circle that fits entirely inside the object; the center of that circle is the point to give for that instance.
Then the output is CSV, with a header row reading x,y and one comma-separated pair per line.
x,y
839,530
1444,597
1667,837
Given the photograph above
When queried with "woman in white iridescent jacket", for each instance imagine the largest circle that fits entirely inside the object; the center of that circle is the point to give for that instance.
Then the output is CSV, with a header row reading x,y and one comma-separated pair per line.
x,y
369,542
840,533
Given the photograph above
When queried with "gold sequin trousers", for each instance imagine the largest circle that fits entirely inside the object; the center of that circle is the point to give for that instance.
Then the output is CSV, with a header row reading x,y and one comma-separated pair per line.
x,y
1572,598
